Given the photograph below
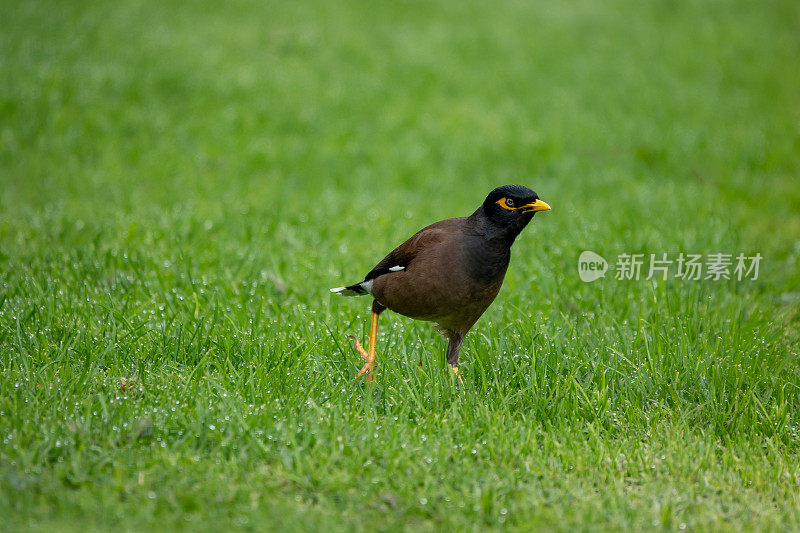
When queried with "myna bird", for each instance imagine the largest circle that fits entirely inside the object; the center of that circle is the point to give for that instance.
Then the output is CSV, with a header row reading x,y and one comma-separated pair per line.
x,y
449,272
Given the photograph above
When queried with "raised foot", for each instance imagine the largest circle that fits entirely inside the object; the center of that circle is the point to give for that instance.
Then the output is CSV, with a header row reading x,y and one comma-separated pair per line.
x,y
367,368
369,361
360,349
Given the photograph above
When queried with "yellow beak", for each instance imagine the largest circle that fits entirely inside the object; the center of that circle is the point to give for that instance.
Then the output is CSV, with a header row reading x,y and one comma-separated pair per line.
x,y
532,207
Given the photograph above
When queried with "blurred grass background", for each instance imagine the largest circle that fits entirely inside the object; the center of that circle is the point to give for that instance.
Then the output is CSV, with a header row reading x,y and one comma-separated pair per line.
x,y
183,181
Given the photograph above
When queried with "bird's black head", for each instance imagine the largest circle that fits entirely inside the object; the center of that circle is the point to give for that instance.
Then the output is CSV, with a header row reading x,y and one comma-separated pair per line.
x,y
512,205
506,212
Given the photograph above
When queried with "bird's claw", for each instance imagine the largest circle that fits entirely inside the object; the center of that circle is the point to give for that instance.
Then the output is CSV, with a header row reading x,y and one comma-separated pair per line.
x,y
368,366
360,349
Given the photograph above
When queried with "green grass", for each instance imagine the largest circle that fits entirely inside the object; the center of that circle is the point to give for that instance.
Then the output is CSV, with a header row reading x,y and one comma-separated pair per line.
x,y
181,183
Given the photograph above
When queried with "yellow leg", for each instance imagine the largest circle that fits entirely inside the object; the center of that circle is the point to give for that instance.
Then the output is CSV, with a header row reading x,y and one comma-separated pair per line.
x,y
455,371
369,356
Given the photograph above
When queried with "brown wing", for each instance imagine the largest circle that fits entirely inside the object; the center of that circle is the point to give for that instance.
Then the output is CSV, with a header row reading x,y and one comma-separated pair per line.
x,y
403,255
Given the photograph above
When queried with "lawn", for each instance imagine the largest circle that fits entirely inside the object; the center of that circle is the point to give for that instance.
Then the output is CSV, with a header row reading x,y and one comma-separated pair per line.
x,y
182,182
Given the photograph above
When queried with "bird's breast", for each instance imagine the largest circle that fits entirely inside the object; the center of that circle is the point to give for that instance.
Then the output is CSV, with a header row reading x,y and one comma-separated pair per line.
x,y
484,262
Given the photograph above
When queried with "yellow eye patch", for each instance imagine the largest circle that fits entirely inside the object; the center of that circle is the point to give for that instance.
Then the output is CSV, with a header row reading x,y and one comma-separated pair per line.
x,y
502,203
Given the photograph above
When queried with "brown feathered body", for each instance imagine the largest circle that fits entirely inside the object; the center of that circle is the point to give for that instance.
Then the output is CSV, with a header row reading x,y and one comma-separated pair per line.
x,y
450,276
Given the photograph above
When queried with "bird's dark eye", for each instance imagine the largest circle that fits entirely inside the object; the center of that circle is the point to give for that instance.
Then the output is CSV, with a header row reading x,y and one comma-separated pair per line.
x,y
509,202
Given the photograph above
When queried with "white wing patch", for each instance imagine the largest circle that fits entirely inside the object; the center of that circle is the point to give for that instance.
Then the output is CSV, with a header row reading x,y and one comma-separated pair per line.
x,y
396,268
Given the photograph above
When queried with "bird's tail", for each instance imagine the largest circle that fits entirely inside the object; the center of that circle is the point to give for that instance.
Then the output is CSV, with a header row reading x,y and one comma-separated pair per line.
x,y
358,289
